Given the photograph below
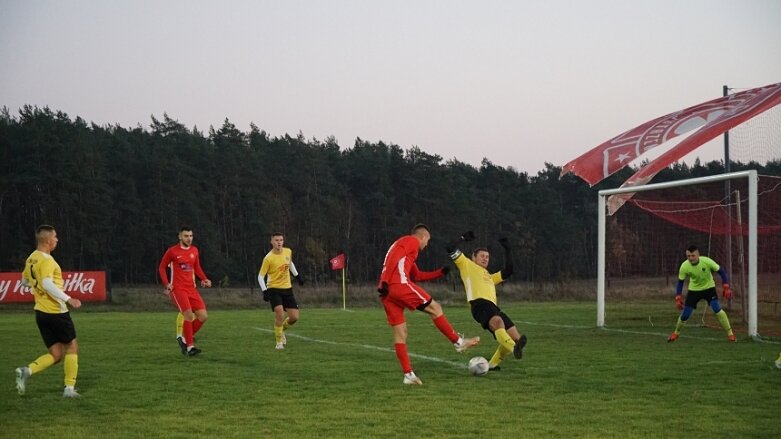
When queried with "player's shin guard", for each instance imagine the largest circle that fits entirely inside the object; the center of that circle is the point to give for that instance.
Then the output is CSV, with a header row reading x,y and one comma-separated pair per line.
x,y
678,325
500,354
721,316
286,324
197,326
445,328
403,356
278,333
504,339
187,331
71,367
179,323
41,363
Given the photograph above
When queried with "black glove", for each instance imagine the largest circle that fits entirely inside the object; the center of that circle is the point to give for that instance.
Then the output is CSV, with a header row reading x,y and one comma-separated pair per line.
x,y
468,236
265,296
505,243
383,289
445,270
300,280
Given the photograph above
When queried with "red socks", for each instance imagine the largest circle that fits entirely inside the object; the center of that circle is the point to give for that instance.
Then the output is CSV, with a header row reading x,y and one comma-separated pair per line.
x,y
444,327
196,326
403,356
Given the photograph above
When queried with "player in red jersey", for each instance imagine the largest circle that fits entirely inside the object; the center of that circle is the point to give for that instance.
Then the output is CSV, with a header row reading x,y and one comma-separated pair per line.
x,y
186,263
398,291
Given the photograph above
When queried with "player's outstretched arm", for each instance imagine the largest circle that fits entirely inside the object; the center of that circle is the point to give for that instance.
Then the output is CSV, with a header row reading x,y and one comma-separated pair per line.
x,y
465,237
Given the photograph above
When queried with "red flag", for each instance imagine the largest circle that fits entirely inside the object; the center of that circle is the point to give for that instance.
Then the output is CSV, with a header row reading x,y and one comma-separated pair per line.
x,y
749,104
711,119
337,262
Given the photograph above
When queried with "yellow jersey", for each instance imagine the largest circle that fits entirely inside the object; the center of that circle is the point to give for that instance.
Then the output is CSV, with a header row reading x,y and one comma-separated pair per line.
x,y
38,267
478,282
277,267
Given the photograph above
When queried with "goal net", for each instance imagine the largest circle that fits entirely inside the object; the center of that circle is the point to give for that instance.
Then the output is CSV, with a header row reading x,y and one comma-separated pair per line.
x,y
733,218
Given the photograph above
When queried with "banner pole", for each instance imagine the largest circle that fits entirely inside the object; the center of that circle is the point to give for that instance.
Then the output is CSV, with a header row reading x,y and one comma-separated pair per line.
x,y
344,293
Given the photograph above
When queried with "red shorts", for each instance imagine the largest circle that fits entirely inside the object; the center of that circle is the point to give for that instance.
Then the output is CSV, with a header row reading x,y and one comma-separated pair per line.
x,y
402,296
185,299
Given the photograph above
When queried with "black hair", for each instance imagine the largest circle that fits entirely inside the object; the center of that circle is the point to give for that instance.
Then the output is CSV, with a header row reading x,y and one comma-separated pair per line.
x,y
419,226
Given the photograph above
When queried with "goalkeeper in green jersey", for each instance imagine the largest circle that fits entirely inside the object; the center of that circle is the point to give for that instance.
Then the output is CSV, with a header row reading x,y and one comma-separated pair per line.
x,y
699,270
480,287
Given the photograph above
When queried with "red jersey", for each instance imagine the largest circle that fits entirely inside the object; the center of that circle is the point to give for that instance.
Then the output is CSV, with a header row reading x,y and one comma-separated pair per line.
x,y
399,266
186,264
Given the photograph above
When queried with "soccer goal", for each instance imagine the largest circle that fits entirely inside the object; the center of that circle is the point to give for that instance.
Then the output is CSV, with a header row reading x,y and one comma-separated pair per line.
x,y
733,218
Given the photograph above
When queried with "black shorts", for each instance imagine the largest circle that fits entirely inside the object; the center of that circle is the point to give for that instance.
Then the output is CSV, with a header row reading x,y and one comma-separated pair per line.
x,y
692,297
55,328
483,310
282,296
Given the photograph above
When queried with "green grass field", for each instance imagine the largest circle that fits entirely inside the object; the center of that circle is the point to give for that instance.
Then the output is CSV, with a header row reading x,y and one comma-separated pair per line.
x,y
339,378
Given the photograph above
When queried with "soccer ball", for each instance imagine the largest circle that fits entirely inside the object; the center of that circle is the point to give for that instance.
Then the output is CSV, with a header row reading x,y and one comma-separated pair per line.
x,y
478,366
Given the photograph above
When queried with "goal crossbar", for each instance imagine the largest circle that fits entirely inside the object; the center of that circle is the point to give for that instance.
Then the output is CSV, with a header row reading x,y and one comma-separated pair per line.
x,y
750,175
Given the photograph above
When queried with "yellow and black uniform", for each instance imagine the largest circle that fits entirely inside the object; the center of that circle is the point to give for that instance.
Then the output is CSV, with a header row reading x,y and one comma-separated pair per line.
x,y
478,282
44,276
51,309
480,287
277,268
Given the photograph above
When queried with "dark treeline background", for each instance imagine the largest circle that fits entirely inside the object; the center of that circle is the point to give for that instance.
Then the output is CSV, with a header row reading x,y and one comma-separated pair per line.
x,y
118,196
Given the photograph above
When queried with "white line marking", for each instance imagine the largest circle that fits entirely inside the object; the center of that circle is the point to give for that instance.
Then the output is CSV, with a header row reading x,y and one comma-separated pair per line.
x,y
626,331
367,346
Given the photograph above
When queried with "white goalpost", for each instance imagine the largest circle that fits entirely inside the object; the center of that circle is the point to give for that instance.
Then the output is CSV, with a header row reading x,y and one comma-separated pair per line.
x,y
750,179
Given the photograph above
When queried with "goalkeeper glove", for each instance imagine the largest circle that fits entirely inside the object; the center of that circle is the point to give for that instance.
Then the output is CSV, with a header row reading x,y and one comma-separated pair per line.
x,y
265,296
300,280
468,236
505,243
727,291
679,302
383,289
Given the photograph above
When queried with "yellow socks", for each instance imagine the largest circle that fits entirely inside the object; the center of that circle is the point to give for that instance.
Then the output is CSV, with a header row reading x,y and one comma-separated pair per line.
x,y
41,363
506,345
71,369
179,324
504,339
678,326
724,320
278,333
285,324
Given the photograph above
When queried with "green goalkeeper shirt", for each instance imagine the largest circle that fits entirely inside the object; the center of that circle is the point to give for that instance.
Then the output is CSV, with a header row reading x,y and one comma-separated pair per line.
x,y
700,275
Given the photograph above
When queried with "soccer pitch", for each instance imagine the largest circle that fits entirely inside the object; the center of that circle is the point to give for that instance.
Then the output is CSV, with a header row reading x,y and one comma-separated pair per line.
x,y
339,377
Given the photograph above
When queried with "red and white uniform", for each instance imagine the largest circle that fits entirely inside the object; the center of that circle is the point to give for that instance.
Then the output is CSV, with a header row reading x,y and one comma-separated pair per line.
x,y
399,271
186,265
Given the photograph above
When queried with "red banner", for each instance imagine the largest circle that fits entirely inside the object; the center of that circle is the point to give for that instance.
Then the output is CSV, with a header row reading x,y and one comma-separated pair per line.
x,y
337,262
87,286
711,119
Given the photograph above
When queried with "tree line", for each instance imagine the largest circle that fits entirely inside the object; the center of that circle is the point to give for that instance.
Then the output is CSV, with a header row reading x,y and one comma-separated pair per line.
x,y
118,196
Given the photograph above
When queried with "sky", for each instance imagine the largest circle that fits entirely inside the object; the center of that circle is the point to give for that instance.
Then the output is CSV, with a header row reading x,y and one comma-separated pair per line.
x,y
519,83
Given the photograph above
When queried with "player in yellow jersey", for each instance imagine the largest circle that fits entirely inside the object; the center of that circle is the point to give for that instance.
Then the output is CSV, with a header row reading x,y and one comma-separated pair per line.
x,y
277,266
699,270
43,275
480,287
